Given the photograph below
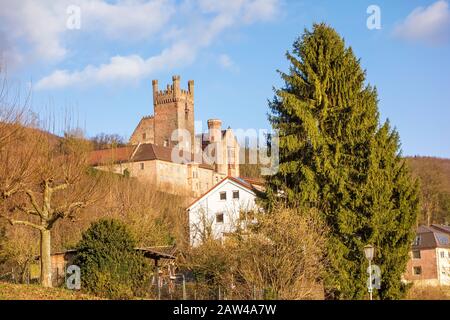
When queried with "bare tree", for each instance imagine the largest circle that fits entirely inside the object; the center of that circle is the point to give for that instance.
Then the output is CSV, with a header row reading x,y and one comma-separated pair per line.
x,y
57,188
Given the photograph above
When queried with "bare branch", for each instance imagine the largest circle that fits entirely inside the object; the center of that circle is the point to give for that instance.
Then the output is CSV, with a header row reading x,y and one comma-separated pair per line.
x,y
21,222
33,201
26,210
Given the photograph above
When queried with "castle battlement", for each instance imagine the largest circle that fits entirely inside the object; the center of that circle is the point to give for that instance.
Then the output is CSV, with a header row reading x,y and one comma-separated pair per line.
x,y
173,92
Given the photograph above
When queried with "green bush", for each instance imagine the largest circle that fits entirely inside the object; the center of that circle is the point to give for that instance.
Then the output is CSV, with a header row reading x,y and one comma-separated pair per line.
x,y
110,265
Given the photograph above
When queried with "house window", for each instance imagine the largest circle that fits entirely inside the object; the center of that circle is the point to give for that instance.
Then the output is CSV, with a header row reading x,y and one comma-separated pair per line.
x,y
219,217
442,254
417,271
194,174
166,143
142,166
223,196
236,194
416,254
416,241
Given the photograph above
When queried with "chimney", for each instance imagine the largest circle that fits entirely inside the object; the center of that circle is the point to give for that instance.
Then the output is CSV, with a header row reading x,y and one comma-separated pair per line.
x,y
215,130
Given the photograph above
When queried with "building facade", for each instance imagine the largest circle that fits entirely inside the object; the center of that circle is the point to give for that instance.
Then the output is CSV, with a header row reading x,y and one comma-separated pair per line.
x,y
429,262
222,209
165,151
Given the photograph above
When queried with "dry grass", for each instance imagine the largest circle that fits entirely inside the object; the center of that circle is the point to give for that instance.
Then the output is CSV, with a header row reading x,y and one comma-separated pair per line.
x,y
428,293
9,291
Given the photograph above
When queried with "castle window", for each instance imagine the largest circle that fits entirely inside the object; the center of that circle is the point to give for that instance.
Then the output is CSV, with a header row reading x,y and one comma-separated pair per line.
x,y
223,196
417,271
166,143
219,217
236,194
231,155
186,111
142,166
144,136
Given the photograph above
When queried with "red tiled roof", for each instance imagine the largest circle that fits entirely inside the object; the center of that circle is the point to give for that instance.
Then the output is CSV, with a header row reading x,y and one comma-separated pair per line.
x,y
141,152
109,156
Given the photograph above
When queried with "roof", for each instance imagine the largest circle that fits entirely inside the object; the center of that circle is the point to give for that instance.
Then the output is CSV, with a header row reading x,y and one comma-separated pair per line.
x,y
237,180
155,253
114,155
141,152
149,151
434,236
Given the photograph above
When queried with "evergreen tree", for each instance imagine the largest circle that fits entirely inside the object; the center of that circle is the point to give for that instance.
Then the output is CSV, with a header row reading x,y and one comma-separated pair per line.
x,y
335,156
110,265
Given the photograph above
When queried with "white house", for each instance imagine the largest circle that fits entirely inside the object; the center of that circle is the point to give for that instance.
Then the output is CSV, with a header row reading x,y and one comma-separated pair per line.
x,y
220,210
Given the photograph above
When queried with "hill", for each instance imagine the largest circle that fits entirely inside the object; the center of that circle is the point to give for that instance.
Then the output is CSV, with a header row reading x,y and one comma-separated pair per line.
x,y
434,176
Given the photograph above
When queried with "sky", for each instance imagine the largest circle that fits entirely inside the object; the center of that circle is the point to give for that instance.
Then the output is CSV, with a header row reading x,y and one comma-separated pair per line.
x,y
93,60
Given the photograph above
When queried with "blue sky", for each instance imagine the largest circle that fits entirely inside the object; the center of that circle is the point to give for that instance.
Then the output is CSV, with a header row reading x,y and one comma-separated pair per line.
x,y
101,73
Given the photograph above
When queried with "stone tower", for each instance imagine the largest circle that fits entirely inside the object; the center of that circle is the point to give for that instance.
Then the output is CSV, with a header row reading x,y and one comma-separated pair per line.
x,y
173,109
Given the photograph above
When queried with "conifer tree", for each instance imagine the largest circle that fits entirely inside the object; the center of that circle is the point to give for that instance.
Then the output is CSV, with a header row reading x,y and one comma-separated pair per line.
x,y
337,157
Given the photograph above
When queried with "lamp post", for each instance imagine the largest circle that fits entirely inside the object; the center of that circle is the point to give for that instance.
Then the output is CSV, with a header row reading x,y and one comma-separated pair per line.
x,y
369,252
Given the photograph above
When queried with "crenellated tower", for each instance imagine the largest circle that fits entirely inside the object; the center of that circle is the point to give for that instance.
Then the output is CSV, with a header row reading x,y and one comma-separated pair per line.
x,y
173,109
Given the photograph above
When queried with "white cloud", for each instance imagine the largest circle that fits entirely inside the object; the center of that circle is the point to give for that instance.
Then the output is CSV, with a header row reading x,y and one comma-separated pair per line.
x,y
119,68
212,18
227,63
129,19
430,24
39,27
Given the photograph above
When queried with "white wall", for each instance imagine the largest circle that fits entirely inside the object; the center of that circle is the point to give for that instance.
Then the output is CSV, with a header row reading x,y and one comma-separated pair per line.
x,y
443,266
202,214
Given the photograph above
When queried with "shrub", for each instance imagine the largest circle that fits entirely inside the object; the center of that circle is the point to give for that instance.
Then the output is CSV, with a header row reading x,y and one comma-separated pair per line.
x,y
110,265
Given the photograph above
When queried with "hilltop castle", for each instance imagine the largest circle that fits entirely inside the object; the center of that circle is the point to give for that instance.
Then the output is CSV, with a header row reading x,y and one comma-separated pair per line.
x,y
165,151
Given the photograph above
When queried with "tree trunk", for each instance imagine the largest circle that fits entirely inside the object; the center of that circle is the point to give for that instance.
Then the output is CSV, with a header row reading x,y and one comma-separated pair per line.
x,y
46,264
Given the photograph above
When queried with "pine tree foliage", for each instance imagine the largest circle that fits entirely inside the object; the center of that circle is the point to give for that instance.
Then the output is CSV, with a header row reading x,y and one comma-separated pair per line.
x,y
337,157
109,263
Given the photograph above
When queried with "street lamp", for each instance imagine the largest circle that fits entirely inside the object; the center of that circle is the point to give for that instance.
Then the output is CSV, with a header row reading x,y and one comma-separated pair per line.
x,y
369,252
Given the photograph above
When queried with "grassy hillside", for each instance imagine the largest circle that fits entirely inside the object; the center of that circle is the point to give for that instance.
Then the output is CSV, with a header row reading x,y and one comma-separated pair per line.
x,y
9,291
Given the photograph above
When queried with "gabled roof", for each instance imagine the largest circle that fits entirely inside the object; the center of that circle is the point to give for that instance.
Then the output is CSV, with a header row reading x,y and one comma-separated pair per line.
x,y
434,236
239,181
